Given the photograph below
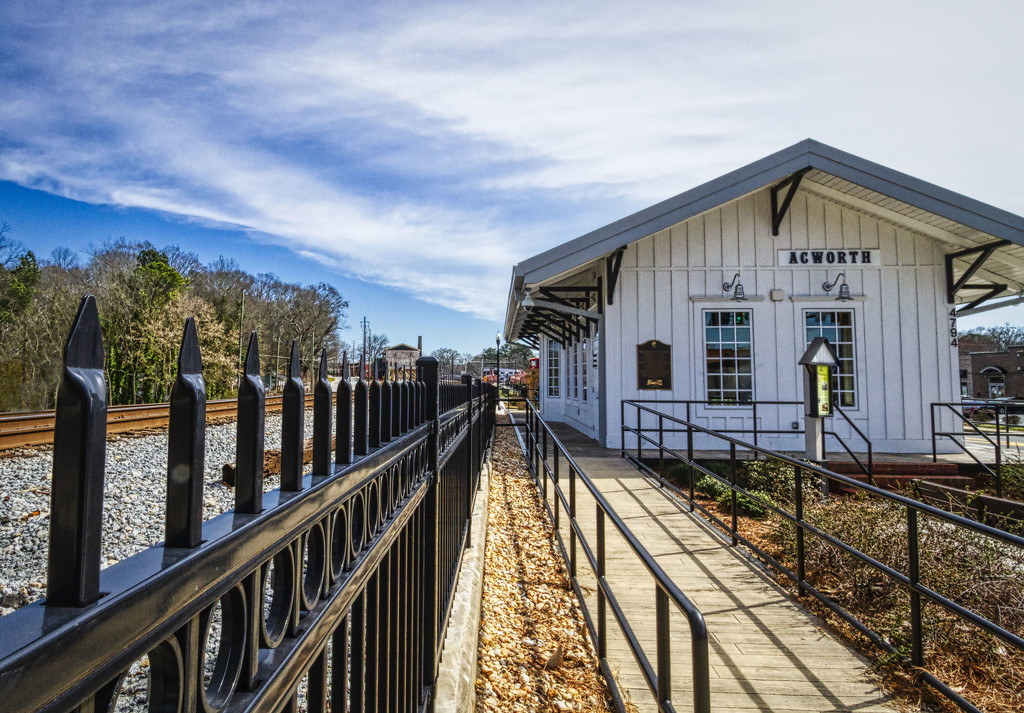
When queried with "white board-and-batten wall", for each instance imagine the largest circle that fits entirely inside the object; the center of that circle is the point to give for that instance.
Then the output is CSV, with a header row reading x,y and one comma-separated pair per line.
x,y
903,352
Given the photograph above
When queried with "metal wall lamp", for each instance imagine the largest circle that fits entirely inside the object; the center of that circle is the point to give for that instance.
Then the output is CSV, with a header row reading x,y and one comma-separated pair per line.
x,y
737,288
844,289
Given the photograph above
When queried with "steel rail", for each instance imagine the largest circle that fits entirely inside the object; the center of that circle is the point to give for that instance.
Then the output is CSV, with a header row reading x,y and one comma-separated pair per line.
x,y
36,427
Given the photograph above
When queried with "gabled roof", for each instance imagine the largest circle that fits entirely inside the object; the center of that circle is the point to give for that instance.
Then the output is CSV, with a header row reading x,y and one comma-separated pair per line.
x,y
835,174
401,348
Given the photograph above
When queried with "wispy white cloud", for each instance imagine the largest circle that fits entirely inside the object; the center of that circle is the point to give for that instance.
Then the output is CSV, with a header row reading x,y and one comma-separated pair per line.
x,y
430,146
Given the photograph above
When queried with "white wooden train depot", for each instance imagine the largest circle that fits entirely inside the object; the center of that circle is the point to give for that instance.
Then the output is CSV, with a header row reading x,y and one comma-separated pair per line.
x,y
733,279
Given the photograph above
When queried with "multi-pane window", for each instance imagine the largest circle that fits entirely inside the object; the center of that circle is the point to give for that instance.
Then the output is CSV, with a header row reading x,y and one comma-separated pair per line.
x,y
837,327
583,375
728,356
576,371
554,368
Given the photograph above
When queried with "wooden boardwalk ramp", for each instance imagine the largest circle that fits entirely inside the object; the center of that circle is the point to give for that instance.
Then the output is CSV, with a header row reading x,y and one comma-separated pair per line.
x,y
766,652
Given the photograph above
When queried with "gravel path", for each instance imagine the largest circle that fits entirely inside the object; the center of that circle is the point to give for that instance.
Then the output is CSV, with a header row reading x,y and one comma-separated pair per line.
x,y
133,502
534,652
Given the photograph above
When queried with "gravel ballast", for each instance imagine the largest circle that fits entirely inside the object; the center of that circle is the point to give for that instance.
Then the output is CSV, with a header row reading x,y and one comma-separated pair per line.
x,y
135,488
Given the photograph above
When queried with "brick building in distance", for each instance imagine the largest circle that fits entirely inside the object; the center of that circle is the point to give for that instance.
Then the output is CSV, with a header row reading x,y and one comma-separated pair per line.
x,y
988,373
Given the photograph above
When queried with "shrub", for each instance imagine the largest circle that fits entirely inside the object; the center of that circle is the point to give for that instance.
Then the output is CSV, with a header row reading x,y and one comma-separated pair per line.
x,y
772,477
706,485
746,506
1012,474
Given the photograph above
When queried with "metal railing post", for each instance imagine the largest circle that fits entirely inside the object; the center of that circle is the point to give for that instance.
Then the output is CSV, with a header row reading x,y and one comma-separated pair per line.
x,y
602,614
622,428
755,428
471,459
661,450
572,518
361,420
917,647
343,425
186,446
79,453
249,446
732,483
543,472
373,398
800,573
428,553
322,412
663,643
935,452
293,424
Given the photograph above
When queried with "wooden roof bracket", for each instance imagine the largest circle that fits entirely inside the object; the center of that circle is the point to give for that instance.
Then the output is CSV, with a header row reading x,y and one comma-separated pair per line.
x,y
993,290
612,264
779,212
984,253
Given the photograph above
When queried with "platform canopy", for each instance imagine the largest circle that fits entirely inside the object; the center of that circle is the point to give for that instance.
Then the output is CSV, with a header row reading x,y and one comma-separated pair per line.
x,y
985,245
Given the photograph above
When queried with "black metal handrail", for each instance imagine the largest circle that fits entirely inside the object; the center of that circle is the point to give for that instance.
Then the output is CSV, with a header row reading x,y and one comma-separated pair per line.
x,y
755,431
869,469
910,581
546,470
350,569
957,409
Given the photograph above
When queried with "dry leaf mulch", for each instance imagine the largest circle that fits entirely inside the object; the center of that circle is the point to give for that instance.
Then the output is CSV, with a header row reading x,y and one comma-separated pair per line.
x,y
534,652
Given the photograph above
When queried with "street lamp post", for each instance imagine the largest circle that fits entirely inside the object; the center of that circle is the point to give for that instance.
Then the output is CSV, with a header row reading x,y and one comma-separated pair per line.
x,y
497,360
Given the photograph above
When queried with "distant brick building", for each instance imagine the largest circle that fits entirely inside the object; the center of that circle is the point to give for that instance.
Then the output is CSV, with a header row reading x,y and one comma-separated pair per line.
x,y
990,374
402,356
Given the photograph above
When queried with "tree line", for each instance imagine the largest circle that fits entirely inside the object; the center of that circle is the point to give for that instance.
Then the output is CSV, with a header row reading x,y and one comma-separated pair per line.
x,y
144,295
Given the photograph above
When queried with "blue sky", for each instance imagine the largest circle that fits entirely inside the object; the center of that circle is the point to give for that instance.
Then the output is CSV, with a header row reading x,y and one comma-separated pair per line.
x,y
411,153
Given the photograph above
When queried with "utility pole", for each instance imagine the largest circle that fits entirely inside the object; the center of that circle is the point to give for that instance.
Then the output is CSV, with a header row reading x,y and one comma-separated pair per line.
x,y
241,341
366,325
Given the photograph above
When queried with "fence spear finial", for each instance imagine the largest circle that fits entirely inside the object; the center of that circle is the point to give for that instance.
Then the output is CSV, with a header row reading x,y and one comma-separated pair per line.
x,y
249,442
186,446
79,453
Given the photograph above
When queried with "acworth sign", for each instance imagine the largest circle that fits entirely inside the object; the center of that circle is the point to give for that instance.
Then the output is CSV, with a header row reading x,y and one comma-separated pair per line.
x,y
829,257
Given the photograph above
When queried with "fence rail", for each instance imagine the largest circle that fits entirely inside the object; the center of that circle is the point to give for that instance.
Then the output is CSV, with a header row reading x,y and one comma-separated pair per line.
x,y
554,468
340,580
755,431
918,591
961,415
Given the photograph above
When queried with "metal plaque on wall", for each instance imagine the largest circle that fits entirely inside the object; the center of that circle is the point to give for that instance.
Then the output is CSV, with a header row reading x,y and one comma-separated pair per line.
x,y
654,366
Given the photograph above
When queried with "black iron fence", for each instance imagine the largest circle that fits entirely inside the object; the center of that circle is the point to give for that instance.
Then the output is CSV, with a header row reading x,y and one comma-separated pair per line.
x,y
810,483
338,584
552,466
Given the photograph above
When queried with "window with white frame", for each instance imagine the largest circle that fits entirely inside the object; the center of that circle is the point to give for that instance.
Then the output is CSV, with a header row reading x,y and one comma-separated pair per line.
x,y
585,367
728,356
576,370
837,327
554,368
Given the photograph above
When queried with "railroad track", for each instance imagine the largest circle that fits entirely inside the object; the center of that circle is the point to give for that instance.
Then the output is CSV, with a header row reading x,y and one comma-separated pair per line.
x,y
36,428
